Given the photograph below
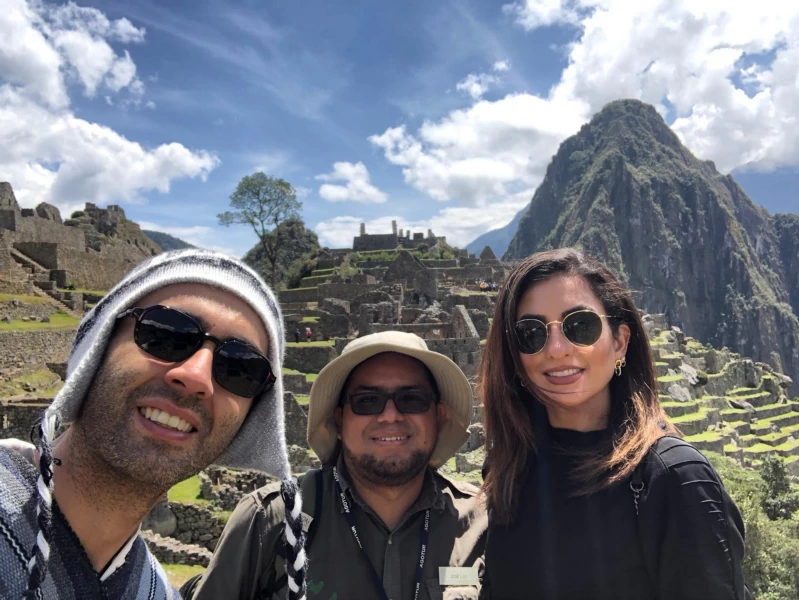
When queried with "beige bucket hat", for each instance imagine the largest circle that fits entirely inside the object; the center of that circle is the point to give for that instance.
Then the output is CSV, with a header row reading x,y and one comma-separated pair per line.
x,y
456,393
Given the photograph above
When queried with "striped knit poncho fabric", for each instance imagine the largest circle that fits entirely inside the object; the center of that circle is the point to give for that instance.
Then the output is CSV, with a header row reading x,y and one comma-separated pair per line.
x,y
259,444
70,575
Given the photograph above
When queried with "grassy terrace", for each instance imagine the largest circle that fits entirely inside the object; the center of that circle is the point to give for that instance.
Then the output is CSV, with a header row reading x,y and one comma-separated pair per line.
x,y
85,291
187,492
58,320
317,343
24,298
670,378
180,574
44,381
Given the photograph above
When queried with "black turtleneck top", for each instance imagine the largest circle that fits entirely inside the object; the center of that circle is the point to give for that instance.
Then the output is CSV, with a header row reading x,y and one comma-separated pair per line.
x,y
686,543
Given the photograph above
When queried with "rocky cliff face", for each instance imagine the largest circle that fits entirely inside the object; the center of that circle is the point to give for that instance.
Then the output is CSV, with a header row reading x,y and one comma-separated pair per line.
x,y
688,241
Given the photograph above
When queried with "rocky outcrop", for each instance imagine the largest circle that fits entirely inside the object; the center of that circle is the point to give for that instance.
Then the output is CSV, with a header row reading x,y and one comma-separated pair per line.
x,y
686,238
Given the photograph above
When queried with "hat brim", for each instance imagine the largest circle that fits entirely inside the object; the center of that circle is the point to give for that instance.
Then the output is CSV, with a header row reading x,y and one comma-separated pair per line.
x,y
456,395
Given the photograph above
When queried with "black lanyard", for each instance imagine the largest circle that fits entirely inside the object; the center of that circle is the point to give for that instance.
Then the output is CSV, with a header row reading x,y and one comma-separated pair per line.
x,y
378,581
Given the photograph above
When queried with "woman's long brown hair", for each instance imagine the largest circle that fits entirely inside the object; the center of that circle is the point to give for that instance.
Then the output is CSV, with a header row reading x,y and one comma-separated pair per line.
x,y
636,418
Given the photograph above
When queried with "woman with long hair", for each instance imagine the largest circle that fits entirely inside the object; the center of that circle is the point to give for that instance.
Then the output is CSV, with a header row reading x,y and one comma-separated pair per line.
x,y
591,493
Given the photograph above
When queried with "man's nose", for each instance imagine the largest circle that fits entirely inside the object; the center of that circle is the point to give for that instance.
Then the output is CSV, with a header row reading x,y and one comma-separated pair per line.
x,y
194,375
390,413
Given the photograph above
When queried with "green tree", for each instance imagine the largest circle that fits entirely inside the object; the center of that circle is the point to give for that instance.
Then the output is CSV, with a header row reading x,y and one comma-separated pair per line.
x,y
780,501
297,245
263,203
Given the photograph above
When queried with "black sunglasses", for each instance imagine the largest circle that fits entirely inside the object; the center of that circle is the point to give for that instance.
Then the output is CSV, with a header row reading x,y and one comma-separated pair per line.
x,y
581,328
171,335
405,401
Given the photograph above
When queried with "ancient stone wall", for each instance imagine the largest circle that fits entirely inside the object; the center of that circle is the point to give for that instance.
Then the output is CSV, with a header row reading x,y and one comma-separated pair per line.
x,y
36,229
95,270
13,278
30,350
472,302
382,241
344,291
19,309
299,295
18,417
442,264
8,219
307,358
170,551
461,325
465,352
196,525
426,331
296,420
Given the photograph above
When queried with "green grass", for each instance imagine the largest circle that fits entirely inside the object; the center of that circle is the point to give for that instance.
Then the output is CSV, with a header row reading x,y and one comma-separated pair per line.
x,y
310,320
750,396
85,291
24,298
670,378
287,371
45,381
302,400
58,320
317,343
180,574
707,436
690,417
310,377
187,492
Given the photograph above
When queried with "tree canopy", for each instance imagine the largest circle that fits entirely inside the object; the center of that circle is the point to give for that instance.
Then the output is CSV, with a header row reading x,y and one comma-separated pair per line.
x,y
263,203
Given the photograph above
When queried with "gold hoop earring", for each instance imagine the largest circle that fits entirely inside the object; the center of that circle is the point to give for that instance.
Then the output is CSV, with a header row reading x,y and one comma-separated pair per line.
x,y
620,363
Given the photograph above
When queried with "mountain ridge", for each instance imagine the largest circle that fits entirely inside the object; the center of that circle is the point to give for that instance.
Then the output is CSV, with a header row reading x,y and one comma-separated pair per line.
x,y
686,238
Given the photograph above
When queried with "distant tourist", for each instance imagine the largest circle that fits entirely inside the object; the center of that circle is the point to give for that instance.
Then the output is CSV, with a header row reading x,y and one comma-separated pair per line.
x,y
384,523
171,371
296,336
590,491
308,334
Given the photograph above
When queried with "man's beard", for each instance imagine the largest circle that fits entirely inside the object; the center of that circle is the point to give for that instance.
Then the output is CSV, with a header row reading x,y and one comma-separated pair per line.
x,y
390,472
110,440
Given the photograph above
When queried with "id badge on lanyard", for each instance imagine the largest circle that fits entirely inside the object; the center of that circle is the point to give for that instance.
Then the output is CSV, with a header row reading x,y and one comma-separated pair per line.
x,y
377,580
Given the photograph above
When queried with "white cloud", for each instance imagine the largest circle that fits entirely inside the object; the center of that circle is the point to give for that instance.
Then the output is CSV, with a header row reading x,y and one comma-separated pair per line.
x,y
40,43
478,155
724,73
46,152
460,224
476,84
501,66
727,69
27,58
532,14
356,188
302,191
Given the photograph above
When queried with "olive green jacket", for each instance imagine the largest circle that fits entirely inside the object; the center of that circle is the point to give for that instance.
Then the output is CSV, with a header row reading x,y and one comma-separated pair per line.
x,y
247,564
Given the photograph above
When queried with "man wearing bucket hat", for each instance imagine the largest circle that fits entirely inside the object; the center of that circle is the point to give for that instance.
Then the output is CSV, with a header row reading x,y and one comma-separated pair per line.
x,y
172,370
385,524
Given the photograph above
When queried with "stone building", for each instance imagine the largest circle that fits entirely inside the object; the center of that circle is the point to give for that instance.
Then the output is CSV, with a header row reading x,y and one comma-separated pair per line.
x,y
92,250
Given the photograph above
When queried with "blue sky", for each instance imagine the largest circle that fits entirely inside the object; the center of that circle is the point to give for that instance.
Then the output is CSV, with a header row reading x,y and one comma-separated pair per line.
x,y
437,114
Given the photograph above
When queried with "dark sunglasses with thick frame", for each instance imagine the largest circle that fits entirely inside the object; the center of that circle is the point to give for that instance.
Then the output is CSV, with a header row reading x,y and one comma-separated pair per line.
x,y
171,335
582,328
410,401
